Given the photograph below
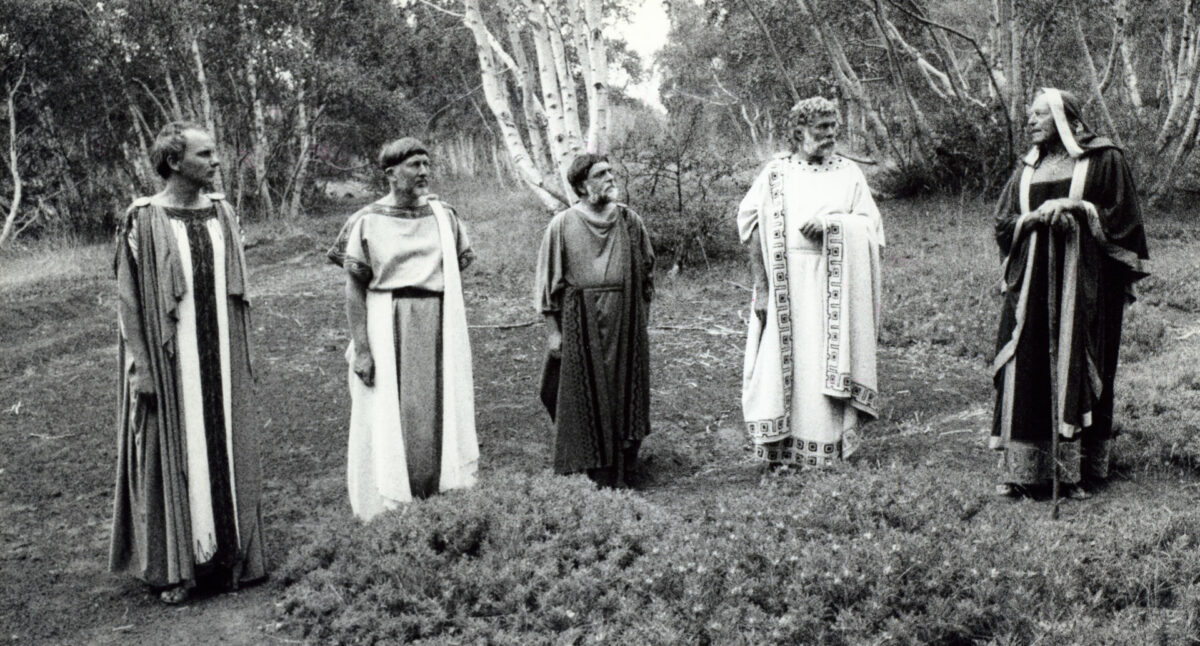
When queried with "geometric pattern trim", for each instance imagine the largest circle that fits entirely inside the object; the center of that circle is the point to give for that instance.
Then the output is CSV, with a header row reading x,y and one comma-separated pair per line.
x,y
791,450
861,397
777,248
768,428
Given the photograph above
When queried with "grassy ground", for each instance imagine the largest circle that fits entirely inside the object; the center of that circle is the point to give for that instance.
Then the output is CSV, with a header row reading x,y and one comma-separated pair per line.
x,y
902,545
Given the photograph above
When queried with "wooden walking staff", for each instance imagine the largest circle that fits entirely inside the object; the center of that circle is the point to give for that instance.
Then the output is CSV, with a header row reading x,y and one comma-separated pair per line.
x,y
1052,328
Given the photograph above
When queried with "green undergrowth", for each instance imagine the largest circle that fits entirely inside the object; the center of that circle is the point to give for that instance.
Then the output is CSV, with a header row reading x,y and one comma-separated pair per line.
x,y
908,549
1158,383
890,556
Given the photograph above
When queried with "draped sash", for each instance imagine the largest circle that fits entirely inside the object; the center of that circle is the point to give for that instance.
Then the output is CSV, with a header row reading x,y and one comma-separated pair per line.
x,y
377,471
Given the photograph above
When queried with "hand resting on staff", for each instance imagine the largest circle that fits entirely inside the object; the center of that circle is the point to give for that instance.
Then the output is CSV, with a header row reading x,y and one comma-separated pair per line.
x,y
1058,213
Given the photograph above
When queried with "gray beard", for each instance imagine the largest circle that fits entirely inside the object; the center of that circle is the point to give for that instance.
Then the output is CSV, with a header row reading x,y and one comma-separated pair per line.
x,y
597,201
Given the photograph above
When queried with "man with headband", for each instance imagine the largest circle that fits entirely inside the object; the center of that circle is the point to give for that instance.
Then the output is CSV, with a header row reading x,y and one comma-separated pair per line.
x,y
412,416
594,284
815,239
1070,232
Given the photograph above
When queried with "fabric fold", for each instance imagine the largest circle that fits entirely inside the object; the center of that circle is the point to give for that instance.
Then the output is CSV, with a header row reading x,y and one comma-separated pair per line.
x,y
377,467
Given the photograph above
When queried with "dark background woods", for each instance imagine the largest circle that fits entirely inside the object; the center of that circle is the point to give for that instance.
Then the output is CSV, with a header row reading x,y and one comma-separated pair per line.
x,y
300,94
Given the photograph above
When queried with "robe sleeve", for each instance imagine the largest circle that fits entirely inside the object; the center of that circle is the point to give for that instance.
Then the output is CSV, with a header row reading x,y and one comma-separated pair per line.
x,y
129,309
1007,213
862,203
551,275
462,242
1111,190
356,259
647,249
337,252
756,201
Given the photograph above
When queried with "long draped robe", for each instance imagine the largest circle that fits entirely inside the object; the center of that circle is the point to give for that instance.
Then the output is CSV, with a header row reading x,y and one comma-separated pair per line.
x,y
809,371
1095,267
412,433
189,481
596,276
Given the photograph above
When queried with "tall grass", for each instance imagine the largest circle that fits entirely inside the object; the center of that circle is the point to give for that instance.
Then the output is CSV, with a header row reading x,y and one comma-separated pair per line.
x,y
53,259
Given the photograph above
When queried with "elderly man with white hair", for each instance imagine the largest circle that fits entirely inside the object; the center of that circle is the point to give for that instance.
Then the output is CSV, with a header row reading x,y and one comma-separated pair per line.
x,y
815,239
1070,232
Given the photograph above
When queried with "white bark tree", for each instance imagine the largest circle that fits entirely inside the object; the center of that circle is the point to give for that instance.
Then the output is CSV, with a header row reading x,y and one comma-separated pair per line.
x,y
568,46
14,203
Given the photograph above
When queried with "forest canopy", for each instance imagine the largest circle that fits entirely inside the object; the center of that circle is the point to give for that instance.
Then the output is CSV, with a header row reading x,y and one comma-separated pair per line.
x,y
297,93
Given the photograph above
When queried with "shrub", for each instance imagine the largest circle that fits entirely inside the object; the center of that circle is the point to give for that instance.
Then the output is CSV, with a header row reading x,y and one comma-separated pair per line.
x,y
896,555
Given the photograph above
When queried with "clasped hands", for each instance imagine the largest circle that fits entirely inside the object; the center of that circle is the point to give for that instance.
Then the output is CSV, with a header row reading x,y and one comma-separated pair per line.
x,y
1057,213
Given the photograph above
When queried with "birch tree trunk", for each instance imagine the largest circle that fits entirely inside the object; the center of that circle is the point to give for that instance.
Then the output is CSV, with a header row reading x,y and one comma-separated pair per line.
x,y
566,81
300,173
176,107
141,165
1093,78
1182,152
1124,35
535,115
14,206
552,99
592,50
261,186
1182,81
1016,77
513,143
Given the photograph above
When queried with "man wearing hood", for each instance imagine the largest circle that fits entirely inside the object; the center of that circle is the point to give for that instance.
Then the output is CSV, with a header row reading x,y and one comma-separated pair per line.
x,y
1070,232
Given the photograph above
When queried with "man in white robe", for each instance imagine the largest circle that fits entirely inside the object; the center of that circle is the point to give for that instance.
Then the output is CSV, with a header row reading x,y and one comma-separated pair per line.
x,y
815,239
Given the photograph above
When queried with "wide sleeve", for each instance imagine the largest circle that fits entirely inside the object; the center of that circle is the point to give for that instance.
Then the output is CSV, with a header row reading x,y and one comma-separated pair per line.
x,y
647,254
863,204
756,201
462,242
337,252
130,322
1007,213
551,276
1111,190
357,256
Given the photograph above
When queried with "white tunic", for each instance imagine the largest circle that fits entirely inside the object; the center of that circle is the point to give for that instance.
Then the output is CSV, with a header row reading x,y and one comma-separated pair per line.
x,y
821,427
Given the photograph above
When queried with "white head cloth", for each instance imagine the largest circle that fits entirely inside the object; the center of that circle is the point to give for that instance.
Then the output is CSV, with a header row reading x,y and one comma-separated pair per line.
x,y
1054,97
1065,134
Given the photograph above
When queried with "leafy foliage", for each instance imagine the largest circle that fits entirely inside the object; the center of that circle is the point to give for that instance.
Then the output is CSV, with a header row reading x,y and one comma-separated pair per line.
x,y
686,185
889,554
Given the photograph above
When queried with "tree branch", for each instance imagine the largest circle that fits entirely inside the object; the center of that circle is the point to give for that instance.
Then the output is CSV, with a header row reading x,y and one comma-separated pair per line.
x,y
15,206
978,51
783,70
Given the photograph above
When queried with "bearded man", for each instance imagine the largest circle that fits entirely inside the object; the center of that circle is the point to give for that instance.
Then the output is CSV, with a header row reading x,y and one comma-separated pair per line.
x,y
809,373
594,285
412,406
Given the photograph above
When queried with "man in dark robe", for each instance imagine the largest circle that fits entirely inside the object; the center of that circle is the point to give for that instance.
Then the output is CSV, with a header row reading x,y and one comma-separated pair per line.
x,y
189,483
1070,230
594,285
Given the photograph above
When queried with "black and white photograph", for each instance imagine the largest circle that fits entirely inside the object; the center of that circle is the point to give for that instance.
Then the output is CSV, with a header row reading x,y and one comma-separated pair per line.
x,y
573,322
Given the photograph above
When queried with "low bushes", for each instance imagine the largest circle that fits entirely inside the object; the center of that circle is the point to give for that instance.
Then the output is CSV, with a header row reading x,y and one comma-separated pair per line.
x,y
891,555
